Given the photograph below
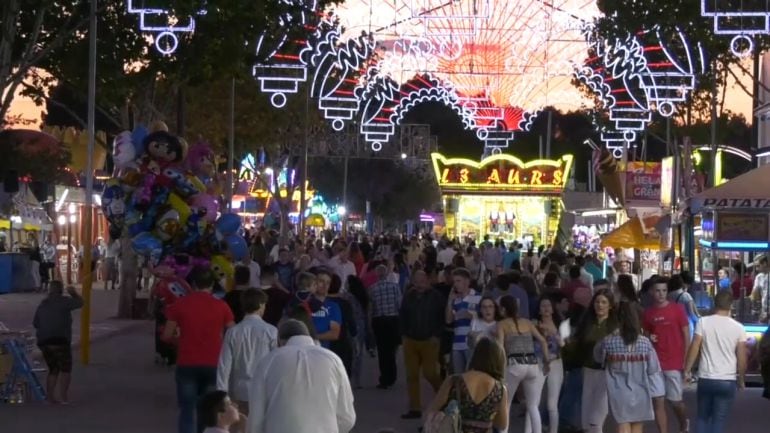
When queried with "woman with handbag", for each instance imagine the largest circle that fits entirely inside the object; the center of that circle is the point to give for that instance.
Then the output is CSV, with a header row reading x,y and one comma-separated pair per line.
x,y
474,401
524,368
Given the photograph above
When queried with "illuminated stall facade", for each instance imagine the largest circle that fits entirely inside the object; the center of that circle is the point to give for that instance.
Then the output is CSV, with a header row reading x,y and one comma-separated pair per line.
x,y
258,189
503,197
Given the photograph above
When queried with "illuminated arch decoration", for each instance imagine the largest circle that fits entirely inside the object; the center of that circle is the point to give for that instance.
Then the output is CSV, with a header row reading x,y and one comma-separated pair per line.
x,y
163,25
739,20
496,63
495,53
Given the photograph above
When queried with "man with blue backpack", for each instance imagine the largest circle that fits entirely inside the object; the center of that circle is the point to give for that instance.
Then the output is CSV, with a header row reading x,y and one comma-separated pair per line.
x,y
677,293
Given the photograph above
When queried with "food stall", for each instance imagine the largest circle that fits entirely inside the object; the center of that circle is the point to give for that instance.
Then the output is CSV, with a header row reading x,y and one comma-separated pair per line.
x,y
503,197
735,217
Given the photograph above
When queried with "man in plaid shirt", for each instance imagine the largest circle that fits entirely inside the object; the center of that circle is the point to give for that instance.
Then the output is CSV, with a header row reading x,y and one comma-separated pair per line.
x,y
385,303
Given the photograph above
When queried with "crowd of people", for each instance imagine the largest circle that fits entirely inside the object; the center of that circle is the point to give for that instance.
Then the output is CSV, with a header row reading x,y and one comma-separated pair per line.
x,y
485,325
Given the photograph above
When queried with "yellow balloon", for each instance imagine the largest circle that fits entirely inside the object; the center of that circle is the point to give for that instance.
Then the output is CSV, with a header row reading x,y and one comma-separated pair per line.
x,y
180,206
193,179
221,266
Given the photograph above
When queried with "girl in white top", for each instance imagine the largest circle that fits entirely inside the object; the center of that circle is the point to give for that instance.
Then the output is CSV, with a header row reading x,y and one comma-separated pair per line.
x,y
484,324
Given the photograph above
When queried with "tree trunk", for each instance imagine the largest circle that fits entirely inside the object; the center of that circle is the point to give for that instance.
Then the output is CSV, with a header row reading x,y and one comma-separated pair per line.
x,y
284,205
129,275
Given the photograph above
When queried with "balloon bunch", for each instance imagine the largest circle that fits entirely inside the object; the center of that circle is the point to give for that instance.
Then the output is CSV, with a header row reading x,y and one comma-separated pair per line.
x,y
163,196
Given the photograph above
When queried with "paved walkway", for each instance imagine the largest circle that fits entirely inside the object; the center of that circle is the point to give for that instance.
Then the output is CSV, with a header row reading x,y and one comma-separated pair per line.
x,y
123,391
18,309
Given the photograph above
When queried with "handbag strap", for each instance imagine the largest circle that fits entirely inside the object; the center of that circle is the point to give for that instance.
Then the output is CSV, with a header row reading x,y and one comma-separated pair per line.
x,y
457,378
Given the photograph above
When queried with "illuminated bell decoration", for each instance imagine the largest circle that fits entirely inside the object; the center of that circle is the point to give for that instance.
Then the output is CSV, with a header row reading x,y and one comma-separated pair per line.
x,y
753,20
162,24
632,77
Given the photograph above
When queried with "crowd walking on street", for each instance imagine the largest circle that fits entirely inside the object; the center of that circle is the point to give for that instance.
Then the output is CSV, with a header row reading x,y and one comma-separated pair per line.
x,y
493,337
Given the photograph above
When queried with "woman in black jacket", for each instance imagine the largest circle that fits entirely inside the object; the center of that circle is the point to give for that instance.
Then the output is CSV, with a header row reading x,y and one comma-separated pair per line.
x,y
343,346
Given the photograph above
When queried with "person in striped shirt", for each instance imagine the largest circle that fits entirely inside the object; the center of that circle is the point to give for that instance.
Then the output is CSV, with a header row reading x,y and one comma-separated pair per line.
x,y
462,306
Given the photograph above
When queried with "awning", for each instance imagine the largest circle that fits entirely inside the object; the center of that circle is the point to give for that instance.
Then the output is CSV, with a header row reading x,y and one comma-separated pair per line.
x,y
630,235
747,191
5,224
30,227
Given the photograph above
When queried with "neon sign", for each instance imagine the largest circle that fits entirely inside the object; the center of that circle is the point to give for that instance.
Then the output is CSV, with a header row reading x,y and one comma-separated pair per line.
x,y
502,173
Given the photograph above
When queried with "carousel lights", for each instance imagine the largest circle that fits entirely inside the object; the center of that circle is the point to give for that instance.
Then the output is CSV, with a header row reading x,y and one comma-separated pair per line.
x,y
724,18
163,25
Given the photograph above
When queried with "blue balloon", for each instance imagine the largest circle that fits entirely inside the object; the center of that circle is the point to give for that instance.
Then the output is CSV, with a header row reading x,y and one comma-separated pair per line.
x,y
145,244
228,224
137,137
236,247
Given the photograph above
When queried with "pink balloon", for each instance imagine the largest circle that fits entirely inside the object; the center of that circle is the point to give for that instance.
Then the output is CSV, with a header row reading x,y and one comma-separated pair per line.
x,y
207,203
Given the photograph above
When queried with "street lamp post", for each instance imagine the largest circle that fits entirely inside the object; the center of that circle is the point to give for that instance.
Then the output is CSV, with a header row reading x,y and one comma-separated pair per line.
x,y
68,220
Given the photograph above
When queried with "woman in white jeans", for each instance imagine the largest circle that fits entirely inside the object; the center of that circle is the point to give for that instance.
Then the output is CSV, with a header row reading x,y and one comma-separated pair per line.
x,y
518,337
548,324
599,321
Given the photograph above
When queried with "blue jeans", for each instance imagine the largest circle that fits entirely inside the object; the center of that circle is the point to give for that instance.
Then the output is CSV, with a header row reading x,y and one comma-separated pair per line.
x,y
570,406
460,360
191,384
715,397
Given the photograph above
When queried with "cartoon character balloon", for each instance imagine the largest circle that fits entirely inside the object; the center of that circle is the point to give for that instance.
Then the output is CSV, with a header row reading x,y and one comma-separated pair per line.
x,y
163,149
200,160
205,205
114,202
168,225
221,266
147,245
123,151
169,289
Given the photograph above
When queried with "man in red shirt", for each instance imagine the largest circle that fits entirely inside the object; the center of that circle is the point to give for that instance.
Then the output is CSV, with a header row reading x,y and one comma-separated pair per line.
x,y
201,320
669,329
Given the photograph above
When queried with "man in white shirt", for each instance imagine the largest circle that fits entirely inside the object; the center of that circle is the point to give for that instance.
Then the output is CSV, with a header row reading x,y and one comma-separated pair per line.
x,y
762,289
254,270
48,251
342,267
586,276
111,255
447,254
721,342
244,346
300,388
